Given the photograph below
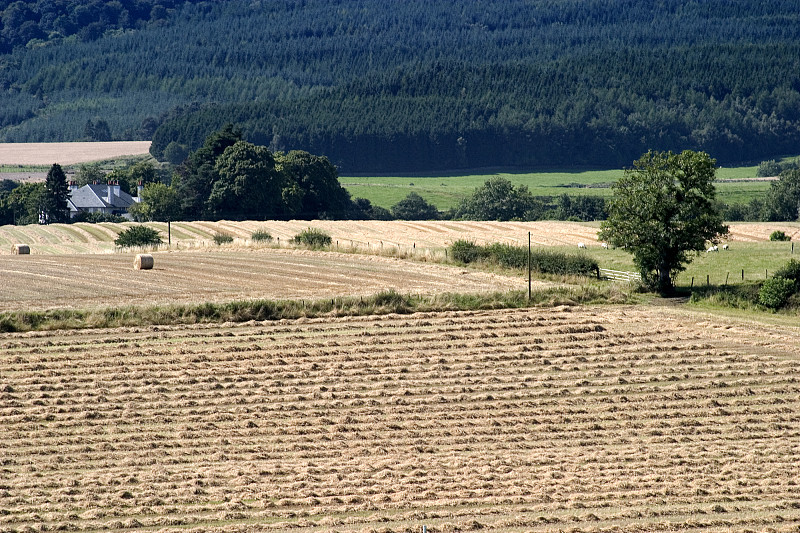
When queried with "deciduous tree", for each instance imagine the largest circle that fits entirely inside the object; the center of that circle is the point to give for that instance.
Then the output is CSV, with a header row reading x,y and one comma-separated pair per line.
x,y
496,199
662,210
783,199
248,183
414,207
158,202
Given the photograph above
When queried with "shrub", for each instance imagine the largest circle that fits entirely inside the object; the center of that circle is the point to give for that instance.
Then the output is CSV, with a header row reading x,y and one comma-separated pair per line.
x,y
790,270
313,237
505,255
465,251
775,292
768,169
138,236
84,216
223,238
261,236
779,235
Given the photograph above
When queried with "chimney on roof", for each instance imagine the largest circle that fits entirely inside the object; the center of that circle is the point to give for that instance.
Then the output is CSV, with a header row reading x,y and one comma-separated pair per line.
x,y
112,191
73,186
139,187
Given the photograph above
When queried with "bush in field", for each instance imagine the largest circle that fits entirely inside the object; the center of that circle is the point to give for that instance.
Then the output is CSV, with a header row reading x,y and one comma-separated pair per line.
x,y
223,238
505,255
775,292
465,251
790,270
312,237
261,236
779,235
138,236
414,207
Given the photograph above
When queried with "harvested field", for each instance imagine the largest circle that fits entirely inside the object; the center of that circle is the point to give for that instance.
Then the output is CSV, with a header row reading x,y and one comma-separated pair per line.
x,y
374,235
80,281
68,153
590,419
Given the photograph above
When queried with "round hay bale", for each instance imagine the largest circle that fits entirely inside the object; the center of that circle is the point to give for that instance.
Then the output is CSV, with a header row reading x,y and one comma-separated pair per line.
x,y
21,249
143,262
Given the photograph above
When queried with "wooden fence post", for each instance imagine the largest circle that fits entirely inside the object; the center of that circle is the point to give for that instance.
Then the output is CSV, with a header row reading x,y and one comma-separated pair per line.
x,y
529,266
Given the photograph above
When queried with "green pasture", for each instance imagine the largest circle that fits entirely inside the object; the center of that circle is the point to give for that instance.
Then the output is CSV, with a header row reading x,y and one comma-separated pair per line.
x,y
9,169
757,260
446,190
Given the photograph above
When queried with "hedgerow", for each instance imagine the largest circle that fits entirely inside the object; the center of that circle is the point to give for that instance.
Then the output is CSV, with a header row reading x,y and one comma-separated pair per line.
x,y
544,261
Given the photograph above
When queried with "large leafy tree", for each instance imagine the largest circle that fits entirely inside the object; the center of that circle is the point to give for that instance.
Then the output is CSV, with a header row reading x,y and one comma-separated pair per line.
x,y
662,210
56,195
318,181
496,199
414,207
158,202
23,204
196,177
248,184
783,200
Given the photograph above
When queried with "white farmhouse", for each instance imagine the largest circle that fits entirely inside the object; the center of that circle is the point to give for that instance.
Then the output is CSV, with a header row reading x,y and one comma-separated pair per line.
x,y
99,198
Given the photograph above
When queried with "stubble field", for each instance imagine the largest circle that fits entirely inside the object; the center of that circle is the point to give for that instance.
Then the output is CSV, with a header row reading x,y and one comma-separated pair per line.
x,y
68,153
373,235
194,276
564,419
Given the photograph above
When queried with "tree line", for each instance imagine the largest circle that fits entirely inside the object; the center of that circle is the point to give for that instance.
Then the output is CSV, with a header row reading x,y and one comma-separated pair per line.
x,y
35,23
234,179
423,85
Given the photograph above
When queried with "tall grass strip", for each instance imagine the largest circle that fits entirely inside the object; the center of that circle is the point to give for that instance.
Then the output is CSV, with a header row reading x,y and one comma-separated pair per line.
x,y
242,311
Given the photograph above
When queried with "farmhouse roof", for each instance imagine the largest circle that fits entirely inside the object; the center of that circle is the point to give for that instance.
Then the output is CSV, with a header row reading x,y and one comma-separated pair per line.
x,y
96,195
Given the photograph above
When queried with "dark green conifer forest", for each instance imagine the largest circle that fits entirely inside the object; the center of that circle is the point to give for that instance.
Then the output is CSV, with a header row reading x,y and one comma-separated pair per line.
x,y
414,85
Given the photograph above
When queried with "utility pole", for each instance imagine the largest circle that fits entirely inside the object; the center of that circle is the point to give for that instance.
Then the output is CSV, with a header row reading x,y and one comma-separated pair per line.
x,y
529,266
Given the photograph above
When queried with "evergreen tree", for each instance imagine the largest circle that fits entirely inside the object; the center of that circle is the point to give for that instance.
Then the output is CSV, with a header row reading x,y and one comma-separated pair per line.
x,y
56,195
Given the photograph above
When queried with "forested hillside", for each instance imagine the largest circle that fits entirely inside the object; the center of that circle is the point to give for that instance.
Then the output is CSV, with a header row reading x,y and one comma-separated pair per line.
x,y
423,84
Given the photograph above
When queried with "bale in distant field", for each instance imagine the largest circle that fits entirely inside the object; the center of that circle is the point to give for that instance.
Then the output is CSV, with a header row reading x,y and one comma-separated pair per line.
x,y
21,249
143,262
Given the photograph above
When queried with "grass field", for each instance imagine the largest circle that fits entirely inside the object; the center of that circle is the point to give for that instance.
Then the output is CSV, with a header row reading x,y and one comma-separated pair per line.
x,y
756,259
566,419
445,191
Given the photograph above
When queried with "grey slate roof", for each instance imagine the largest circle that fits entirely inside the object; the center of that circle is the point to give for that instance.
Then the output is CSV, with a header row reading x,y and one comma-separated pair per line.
x,y
96,196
